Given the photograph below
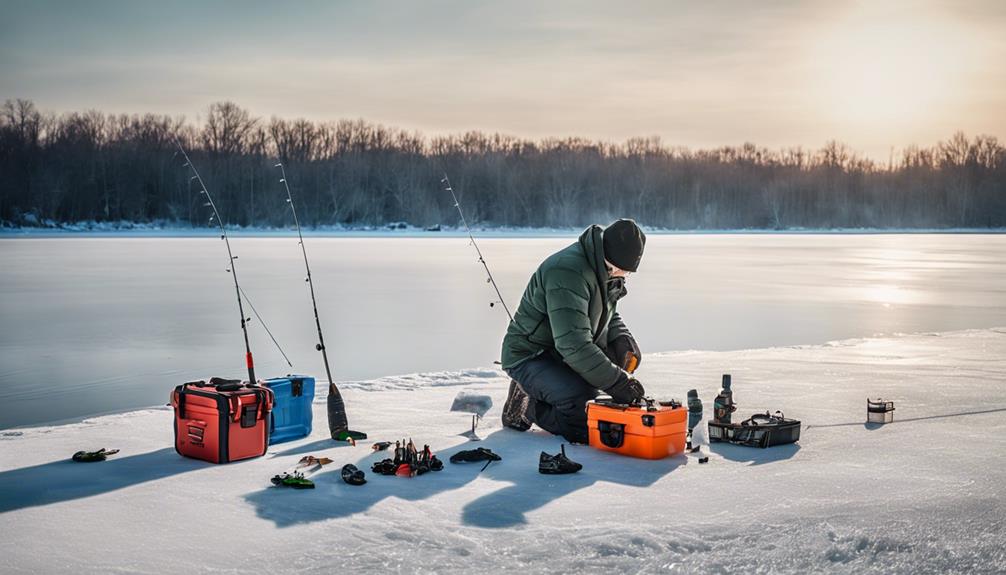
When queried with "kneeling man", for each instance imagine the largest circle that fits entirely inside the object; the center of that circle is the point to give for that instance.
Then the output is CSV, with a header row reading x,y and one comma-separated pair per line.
x,y
567,343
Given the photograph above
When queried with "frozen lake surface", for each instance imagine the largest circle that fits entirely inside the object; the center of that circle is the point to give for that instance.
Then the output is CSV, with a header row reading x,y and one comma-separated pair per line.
x,y
922,495
93,325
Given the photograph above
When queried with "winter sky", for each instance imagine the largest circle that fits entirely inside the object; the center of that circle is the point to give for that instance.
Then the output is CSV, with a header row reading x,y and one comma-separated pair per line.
x,y
873,74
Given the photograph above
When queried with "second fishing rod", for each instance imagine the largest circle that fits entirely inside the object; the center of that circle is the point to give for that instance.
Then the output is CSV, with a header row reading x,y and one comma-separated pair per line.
x,y
338,423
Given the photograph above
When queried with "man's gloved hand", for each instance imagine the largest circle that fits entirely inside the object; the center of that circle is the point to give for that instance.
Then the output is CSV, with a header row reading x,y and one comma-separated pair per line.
x,y
626,352
628,391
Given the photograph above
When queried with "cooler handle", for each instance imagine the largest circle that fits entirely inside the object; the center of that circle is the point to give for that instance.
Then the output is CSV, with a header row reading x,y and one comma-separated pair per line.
x,y
263,399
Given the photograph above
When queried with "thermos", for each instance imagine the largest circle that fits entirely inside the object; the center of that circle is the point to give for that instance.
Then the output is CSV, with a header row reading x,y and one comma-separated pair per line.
x,y
723,405
694,413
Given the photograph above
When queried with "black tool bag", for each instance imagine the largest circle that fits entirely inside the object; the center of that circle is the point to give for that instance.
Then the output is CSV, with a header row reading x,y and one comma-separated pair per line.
x,y
759,430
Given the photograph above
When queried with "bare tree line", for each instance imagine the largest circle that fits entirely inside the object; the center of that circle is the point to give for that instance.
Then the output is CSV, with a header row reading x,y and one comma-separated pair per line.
x,y
84,166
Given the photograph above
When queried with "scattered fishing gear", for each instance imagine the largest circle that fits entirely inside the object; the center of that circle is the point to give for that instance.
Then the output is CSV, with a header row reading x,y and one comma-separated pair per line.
x,y
348,436
916,419
297,476
760,430
479,454
457,204
879,411
352,475
408,461
338,424
723,405
92,456
557,464
381,446
295,480
476,404
694,415
231,266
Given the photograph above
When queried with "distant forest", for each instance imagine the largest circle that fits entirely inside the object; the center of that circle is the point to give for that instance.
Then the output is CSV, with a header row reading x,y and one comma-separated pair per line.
x,y
84,166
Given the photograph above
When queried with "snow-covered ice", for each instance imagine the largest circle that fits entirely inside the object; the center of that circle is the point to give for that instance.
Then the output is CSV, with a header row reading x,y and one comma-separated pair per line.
x,y
922,495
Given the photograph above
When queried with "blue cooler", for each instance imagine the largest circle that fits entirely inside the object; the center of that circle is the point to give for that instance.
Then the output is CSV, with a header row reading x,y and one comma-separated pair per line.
x,y
291,412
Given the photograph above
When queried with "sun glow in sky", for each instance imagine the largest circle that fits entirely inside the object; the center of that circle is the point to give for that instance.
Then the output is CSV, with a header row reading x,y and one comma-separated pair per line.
x,y
895,72
877,75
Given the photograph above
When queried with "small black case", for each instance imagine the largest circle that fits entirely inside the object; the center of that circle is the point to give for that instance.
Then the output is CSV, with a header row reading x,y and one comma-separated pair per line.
x,y
760,430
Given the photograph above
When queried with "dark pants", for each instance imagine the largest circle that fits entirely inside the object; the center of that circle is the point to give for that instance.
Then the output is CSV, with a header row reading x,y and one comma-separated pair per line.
x,y
558,396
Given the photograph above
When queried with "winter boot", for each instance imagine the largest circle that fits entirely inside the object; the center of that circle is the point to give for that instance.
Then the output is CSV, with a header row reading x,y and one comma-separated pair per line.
x,y
557,464
515,408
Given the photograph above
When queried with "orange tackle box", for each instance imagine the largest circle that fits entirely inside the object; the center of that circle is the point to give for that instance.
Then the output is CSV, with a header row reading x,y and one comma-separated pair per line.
x,y
650,431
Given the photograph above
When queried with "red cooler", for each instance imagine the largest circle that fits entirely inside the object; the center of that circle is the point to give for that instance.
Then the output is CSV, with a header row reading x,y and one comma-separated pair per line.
x,y
221,421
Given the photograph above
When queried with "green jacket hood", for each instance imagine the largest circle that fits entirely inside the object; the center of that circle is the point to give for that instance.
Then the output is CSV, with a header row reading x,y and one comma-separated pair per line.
x,y
592,242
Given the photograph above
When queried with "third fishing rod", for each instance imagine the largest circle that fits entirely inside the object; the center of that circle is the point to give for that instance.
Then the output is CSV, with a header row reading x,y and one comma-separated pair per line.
x,y
338,424
457,204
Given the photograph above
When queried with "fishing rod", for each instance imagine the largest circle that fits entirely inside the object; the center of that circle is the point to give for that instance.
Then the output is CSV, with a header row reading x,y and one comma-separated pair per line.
x,y
232,268
457,204
338,425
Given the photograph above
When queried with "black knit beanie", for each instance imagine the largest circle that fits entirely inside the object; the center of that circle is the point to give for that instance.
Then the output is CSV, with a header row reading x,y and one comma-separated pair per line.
x,y
623,244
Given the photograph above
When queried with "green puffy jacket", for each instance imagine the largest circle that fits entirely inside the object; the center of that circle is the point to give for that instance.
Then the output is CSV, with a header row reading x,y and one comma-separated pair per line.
x,y
568,309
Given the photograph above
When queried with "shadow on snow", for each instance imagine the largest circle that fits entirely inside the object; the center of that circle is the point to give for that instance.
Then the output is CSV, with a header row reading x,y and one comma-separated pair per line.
x,y
754,455
306,448
66,480
506,507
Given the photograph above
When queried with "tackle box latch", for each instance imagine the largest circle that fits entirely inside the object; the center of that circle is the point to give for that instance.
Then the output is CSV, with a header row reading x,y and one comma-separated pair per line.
x,y
612,434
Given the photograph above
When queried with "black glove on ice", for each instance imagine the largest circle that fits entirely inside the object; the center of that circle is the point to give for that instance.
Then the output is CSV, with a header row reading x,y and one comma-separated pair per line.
x,y
628,391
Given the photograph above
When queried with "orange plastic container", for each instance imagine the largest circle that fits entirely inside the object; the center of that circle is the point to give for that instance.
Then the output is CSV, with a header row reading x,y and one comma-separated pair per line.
x,y
648,433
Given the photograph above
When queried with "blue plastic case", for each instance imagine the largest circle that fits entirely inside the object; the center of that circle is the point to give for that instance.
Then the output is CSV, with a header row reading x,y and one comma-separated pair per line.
x,y
291,413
